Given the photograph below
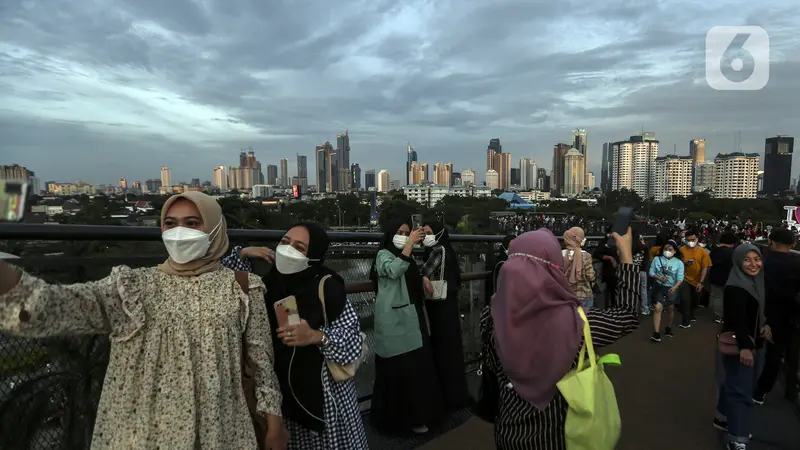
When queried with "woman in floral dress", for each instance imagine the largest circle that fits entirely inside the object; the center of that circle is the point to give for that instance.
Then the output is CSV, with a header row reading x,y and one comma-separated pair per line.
x,y
177,330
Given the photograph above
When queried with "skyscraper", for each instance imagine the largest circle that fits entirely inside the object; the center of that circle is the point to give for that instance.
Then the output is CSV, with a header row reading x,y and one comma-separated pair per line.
x,y
574,171
355,172
528,173
606,168
384,181
340,166
697,150
633,166
468,177
302,171
284,172
166,176
369,179
778,164
221,177
580,142
542,180
557,181
411,158
272,174
323,155
736,175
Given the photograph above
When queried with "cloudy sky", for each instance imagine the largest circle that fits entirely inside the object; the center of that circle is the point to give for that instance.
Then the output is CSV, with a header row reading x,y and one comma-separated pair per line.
x,y
104,89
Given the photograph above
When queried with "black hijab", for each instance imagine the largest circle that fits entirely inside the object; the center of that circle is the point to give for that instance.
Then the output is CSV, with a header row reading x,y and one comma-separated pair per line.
x,y
416,292
452,267
306,362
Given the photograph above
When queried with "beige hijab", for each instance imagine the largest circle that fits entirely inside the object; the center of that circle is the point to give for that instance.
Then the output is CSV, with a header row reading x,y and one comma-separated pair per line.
x,y
572,241
211,213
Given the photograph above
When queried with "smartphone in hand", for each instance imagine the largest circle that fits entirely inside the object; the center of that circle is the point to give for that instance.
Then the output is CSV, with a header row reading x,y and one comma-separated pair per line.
x,y
13,196
286,312
622,221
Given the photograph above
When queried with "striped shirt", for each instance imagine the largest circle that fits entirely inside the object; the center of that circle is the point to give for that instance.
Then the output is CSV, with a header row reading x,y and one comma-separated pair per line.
x,y
520,426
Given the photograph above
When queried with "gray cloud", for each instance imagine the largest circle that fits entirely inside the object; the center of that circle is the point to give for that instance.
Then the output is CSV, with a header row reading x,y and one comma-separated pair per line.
x,y
105,89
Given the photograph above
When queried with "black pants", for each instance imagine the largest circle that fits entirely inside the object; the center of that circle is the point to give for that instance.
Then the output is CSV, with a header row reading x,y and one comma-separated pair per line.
x,y
786,345
690,298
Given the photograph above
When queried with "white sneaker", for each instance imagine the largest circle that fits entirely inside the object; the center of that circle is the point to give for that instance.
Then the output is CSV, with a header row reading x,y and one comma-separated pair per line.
x,y
423,429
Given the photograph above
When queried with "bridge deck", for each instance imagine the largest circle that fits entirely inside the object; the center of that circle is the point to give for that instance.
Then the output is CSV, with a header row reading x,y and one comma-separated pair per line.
x,y
666,398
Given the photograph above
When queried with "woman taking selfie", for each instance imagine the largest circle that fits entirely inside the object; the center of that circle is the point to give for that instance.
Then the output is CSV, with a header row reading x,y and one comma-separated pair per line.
x,y
406,396
177,331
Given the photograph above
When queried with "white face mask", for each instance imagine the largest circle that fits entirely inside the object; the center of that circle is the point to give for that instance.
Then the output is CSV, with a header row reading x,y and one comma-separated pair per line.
x,y
186,244
668,254
430,239
702,245
691,244
289,260
399,241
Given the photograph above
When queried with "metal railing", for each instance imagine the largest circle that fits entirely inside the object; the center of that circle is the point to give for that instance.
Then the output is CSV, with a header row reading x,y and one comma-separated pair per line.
x,y
48,369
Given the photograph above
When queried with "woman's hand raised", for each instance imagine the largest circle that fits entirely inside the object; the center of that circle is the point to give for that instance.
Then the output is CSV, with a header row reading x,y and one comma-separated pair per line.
x,y
624,247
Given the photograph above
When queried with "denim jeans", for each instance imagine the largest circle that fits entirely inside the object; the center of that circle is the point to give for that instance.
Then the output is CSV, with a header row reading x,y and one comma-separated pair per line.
x,y
736,384
645,307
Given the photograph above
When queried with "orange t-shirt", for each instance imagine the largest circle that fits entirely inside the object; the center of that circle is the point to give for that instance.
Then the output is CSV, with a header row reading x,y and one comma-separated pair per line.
x,y
694,260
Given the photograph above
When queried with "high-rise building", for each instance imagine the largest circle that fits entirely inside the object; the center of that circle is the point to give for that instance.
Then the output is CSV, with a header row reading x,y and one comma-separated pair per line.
x,y
673,177
492,179
153,185
221,177
384,181
514,179
411,158
248,174
697,150
302,172
606,168
443,174
284,172
369,179
455,179
574,173
494,149
542,179
355,173
340,165
591,181
123,183
557,178
704,177
778,152
634,164
323,155
166,176
494,144
580,142
468,177
528,173
272,175
736,175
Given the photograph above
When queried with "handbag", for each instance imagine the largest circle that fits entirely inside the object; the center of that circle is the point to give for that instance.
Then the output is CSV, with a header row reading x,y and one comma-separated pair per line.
x,y
249,379
593,421
440,285
728,345
342,372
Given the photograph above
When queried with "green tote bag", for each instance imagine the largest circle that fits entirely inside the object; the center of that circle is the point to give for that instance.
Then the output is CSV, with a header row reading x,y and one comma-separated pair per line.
x,y
593,421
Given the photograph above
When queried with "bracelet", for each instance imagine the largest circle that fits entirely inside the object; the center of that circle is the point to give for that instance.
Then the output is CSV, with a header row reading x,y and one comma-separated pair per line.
x,y
324,341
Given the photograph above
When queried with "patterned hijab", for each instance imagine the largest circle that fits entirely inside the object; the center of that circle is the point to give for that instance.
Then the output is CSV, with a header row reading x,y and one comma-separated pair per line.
x,y
537,325
212,216
573,238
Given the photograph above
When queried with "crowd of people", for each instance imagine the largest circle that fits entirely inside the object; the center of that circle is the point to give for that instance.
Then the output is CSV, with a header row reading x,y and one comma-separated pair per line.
x,y
207,355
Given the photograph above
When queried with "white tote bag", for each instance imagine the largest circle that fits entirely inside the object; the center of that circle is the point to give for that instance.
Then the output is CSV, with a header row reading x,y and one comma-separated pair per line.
x,y
440,285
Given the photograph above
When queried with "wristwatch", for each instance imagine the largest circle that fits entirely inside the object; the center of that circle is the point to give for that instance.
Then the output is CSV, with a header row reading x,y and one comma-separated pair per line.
x,y
324,341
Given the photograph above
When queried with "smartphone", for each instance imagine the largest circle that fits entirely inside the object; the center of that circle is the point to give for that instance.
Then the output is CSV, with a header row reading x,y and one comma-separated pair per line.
x,y
13,196
286,311
622,221
416,221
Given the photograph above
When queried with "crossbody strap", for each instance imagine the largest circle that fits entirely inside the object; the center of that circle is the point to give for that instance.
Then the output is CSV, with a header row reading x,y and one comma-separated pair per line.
x,y
441,269
322,298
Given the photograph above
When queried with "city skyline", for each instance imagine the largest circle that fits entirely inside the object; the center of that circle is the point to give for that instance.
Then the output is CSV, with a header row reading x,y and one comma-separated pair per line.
x,y
133,87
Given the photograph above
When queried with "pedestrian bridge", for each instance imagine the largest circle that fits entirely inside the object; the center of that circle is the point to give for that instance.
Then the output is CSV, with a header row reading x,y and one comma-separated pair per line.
x,y
665,391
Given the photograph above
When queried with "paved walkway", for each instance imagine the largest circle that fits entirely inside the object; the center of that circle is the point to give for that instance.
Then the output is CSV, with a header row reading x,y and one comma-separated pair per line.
x,y
666,398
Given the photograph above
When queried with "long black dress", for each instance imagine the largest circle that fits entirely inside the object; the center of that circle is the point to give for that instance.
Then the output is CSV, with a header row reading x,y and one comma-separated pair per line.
x,y
444,318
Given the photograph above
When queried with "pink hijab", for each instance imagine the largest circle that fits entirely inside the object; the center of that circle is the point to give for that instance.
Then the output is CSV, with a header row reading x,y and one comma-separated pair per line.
x,y
537,326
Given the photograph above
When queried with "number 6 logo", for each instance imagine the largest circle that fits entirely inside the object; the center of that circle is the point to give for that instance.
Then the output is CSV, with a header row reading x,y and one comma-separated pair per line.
x,y
737,58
